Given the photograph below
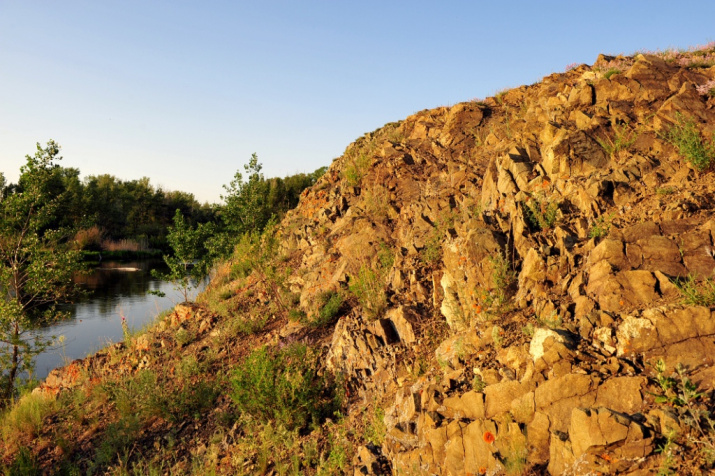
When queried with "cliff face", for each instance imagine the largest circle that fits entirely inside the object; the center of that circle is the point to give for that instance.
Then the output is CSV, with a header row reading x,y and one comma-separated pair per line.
x,y
522,276
546,227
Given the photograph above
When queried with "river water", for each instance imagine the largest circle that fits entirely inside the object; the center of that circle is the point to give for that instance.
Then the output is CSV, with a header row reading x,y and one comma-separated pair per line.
x,y
117,289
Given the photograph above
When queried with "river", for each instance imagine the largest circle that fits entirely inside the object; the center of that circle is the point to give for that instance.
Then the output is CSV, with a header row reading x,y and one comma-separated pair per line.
x,y
117,289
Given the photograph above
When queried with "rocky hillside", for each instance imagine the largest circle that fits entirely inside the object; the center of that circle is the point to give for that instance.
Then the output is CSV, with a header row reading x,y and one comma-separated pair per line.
x,y
520,285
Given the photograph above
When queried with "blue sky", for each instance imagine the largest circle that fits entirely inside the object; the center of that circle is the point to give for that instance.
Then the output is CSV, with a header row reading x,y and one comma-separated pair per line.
x,y
183,92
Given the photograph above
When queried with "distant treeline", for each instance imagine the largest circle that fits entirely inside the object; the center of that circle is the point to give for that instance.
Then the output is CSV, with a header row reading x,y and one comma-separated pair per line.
x,y
103,212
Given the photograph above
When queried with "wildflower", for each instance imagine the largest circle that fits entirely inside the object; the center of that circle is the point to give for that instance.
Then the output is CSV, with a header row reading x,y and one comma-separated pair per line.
x,y
483,470
489,437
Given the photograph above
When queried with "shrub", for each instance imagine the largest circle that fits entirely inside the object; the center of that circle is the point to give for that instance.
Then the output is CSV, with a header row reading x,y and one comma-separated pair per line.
x,y
283,386
686,138
356,168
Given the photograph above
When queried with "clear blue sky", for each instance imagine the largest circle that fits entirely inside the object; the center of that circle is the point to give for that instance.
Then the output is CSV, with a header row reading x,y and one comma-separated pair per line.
x,y
184,92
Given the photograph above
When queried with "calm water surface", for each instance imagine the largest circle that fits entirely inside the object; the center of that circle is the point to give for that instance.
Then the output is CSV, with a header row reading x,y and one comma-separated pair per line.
x,y
118,289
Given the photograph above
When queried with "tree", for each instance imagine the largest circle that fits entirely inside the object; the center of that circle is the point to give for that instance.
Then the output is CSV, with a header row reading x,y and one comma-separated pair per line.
x,y
36,267
246,201
191,261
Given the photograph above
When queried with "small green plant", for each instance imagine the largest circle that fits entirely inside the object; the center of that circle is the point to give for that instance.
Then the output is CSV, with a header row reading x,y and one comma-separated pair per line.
x,y
432,250
478,384
528,329
356,168
611,72
685,137
283,386
375,429
542,213
697,293
665,190
601,226
369,288
503,277
498,336
330,303
624,138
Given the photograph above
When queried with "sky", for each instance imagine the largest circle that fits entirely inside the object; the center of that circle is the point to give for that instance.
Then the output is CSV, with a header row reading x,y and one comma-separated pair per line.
x,y
183,92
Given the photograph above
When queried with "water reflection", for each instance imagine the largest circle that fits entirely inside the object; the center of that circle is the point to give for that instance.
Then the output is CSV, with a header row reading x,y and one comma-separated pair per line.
x,y
117,289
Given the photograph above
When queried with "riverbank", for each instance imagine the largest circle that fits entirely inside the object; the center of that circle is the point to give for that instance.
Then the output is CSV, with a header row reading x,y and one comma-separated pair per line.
x,y
121,255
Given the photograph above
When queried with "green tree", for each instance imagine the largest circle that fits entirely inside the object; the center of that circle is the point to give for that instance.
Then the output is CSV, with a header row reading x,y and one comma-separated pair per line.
x,y
191,261
246,200
36,267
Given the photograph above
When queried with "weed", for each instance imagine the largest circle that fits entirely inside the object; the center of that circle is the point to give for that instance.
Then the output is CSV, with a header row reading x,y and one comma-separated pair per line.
x,y
25,464
432,250
611,72
498,336
24,419
478,384
624,138
542,213
503,277
697,294
601,226
283,386
330,303
369,289
375,430
528,329
356,168
686,138
183,337
662,191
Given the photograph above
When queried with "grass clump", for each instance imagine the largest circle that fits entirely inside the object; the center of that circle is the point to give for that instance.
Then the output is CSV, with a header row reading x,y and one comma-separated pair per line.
x,y
369,288
685,136
542,213
697,293
503,278
25,418
283,386
330,303
623,139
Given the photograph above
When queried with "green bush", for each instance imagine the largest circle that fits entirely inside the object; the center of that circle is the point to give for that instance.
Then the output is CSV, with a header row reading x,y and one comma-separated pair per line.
x,y
283,386
686,138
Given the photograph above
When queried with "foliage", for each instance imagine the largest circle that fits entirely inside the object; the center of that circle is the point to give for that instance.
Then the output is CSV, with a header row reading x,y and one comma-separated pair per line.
x,y
686,138
432,250
375,430
503,277
601,226
611,72
25,418
191,260
542,213
330,303
369,288
624,138
36,266
697,294
283,386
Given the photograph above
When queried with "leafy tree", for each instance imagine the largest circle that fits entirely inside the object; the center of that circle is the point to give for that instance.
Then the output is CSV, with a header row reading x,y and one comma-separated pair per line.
x,y
36,267
191,261
246,200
